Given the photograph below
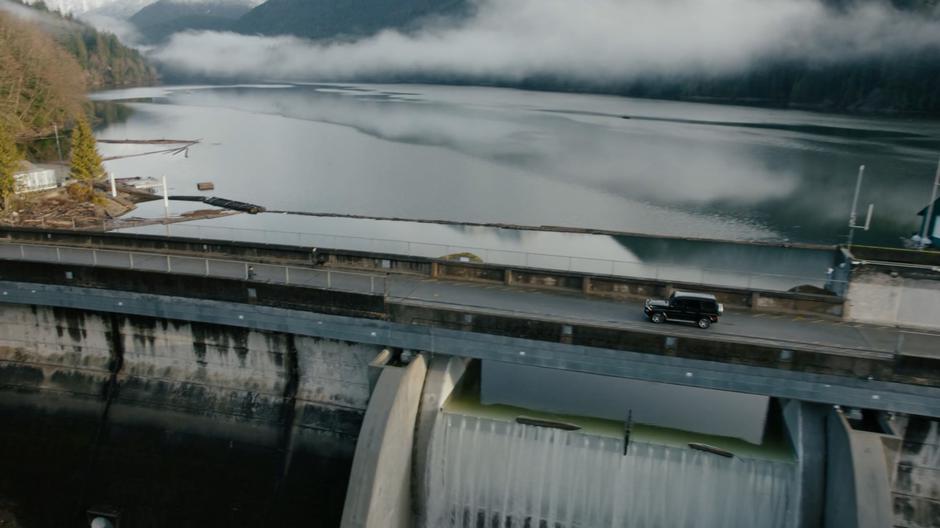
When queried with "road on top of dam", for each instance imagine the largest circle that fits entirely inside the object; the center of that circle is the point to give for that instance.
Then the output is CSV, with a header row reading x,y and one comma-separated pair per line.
x,y
782,330
805,332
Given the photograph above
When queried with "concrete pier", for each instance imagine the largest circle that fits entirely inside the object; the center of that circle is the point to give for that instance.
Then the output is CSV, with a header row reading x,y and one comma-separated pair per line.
x,y
379,493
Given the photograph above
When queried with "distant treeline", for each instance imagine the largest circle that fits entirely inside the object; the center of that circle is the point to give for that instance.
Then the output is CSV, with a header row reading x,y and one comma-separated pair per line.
x,y
898,86
908,85
47,64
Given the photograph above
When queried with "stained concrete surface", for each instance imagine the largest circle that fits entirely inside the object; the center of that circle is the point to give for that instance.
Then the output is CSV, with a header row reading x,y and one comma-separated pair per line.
x,y
175,423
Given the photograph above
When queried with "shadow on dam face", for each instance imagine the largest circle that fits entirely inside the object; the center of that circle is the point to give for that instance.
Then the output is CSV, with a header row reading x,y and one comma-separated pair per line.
x,y
172,423
159,468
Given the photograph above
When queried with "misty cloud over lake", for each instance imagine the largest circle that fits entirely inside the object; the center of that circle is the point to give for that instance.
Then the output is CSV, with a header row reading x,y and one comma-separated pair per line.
x,y
589,41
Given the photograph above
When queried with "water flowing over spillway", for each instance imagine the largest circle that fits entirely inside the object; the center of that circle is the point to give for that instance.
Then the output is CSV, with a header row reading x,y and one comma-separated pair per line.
x,y
489,473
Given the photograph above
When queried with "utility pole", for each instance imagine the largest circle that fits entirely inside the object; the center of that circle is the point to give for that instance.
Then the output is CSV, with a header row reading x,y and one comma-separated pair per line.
x,y
928,220
853,216
166,200
166,207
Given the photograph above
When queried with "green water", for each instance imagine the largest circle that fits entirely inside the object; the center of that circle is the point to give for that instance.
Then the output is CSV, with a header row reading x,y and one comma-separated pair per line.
x,y
465,400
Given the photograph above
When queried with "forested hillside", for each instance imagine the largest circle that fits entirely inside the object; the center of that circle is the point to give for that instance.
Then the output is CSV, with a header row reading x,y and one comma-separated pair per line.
x,y
47,62
896,85
41,84
106,61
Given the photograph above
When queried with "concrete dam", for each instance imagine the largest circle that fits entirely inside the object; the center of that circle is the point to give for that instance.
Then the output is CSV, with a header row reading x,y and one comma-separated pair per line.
x,y
161,382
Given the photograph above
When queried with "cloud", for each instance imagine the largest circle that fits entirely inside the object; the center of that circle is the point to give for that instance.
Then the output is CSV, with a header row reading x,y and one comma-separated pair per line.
x,y
588,40
122,29
47,20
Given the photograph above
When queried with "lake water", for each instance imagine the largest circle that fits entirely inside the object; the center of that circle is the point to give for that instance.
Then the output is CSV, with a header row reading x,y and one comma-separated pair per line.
x,y
500,155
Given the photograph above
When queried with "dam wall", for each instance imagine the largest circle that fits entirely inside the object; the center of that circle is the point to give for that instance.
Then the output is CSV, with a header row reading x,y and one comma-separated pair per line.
x,y
916,477
103,398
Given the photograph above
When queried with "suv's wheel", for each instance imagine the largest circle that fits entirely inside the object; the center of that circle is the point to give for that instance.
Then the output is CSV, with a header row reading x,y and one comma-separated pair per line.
x,y
658,317
704,322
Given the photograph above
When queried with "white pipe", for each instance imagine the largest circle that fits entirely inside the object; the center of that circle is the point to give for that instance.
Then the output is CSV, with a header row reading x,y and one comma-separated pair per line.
x,y
166,198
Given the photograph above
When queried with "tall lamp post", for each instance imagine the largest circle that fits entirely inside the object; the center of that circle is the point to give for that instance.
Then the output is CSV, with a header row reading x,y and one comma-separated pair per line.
x,y
853,216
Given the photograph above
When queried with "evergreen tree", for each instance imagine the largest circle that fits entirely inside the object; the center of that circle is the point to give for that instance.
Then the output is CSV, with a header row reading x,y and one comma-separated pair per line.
x,y
9,162
86,162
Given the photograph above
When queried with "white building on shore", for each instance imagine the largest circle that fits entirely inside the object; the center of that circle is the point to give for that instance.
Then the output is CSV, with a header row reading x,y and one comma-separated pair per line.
x,y
32,178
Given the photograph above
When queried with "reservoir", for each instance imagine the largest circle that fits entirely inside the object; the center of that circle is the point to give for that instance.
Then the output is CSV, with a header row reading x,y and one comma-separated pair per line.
x,y
509,156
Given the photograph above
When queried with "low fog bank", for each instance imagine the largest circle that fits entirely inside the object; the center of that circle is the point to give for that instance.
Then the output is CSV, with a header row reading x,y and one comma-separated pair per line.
x,y
594,42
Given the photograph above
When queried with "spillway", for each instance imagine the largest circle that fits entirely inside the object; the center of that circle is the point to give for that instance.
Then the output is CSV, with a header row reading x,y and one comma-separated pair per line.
x,y
493,473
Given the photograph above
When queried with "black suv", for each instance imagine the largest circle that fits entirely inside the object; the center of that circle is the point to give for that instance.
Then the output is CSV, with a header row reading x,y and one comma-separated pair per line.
x,y
699,308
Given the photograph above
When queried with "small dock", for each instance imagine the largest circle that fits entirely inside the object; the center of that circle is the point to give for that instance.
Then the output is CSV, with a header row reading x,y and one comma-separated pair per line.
x,y
224,203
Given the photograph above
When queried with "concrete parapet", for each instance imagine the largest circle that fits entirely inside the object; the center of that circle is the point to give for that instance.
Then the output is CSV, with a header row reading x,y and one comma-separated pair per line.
x,y
377,261
379,492
176,245
917,257
768,301
882,296
231,290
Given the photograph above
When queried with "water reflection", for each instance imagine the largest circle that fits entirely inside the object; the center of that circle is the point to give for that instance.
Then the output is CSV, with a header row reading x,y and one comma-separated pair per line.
x,y
625,160
110,113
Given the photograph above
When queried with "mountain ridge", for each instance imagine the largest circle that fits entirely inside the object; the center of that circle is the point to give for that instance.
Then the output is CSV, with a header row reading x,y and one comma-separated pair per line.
x,y
325,19
157,21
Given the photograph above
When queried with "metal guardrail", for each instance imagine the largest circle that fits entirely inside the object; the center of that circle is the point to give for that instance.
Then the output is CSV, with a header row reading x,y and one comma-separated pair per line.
x,y
510,258
346,281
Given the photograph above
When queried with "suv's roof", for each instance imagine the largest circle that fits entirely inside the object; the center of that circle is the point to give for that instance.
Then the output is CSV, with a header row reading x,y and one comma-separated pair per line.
x,y
691,295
